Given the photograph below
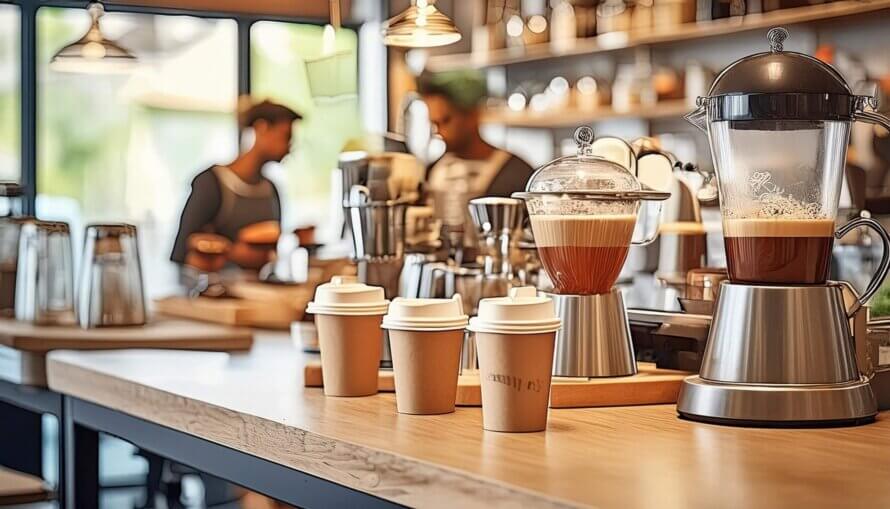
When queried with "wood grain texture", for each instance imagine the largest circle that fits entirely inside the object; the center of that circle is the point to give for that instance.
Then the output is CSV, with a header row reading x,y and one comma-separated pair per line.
x,y
622,457
18,488
231,312
649,387
159,333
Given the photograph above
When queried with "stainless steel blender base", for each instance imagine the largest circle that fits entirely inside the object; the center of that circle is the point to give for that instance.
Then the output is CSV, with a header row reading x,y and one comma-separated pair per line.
x,y
777,405
779,356
594,340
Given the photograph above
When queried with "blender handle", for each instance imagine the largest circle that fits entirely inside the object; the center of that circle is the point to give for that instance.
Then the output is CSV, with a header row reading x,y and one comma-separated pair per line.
x,y
873,118
649,237
883,267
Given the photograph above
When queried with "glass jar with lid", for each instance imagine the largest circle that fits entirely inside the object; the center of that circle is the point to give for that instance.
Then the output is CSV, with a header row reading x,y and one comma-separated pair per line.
x,y
778,123
583,210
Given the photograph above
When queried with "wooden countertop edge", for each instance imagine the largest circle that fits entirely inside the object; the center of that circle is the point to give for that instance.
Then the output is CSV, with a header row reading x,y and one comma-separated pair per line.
x,y
43,347
400,479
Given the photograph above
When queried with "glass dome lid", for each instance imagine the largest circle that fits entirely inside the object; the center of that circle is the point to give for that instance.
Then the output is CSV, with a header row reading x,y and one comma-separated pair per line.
x,y
586,176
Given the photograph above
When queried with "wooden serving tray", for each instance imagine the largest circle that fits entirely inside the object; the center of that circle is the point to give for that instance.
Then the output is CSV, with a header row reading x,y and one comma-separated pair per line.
x,y
23,345
159,333
650,386
234,312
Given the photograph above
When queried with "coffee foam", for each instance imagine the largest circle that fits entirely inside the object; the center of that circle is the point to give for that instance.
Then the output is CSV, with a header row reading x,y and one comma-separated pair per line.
x,y
777,206
583,230
779,227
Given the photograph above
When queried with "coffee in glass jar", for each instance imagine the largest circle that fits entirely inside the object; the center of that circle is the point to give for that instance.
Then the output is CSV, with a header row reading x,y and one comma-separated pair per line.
x,y
583,254
778,250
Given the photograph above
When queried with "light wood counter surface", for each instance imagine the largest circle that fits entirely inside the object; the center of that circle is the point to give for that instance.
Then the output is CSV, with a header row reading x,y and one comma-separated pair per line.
x,y
631,457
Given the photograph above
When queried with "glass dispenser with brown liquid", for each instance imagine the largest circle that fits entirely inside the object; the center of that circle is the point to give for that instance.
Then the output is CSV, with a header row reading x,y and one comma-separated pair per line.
x,y
780,348
583,211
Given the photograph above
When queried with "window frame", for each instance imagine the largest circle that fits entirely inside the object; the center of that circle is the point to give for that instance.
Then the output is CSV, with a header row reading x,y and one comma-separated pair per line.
x,y
28,64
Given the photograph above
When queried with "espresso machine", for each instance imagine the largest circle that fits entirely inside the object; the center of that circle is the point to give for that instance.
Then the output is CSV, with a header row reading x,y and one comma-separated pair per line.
x,y
583,211
780,350
376,191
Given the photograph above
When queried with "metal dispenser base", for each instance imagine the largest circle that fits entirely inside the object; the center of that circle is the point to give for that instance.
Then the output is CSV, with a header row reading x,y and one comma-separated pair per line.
x,y
594,340
779,356
383,272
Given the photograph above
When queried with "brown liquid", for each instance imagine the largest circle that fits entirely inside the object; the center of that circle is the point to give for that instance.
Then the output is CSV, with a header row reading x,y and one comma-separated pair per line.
x,y
778,260
581,270
583,254
778,251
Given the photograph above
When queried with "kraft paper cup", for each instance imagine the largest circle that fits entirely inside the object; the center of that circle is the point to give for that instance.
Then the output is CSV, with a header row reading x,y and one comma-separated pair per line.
x,y
426,365
515,371
348,315
515,339
350,353
426,336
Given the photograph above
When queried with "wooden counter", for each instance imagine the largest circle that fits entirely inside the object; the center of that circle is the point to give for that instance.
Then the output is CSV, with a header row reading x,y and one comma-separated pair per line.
x,y
617,457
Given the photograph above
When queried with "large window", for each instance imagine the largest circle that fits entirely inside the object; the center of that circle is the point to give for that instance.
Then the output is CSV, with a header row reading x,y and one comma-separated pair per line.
x,y
279,54
10,165
125,147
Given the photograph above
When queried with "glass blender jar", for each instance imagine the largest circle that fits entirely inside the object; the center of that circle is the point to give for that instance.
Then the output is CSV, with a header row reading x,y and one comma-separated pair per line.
x,y
778,124
780,349
583,210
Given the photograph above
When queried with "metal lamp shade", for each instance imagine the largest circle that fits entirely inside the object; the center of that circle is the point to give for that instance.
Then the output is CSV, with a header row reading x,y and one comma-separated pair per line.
x,y
420,26
93,53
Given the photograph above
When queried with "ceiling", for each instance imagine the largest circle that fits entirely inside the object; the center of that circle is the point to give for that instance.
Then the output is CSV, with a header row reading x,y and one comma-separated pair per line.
x,y
289,8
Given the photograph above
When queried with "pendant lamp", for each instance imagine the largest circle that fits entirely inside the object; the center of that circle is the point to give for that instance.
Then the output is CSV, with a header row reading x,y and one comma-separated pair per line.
x,y
93,53
421,25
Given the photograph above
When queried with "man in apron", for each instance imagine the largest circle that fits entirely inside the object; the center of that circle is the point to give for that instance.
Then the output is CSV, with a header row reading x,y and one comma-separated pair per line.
x,y
236,201
470,167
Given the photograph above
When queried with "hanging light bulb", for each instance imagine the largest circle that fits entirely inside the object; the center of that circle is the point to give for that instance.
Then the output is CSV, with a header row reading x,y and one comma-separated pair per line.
x,y
421,25
93,53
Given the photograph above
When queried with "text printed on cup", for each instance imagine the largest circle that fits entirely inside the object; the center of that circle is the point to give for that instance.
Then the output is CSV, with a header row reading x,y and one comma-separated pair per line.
x,y
517,383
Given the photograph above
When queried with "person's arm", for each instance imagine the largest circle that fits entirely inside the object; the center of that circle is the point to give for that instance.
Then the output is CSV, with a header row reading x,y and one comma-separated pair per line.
x,y
199,211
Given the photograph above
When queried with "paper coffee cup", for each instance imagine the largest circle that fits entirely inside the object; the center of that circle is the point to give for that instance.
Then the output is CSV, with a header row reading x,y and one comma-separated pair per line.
x,y
425,337
515,337
348,315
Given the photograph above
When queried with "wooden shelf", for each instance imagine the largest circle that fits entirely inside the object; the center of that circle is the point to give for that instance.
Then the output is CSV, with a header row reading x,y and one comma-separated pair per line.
x,y
687,31
573,117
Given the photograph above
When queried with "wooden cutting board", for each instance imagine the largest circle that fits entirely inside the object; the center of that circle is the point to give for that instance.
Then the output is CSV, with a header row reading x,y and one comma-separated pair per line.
x,y
233,312
159,333
650,386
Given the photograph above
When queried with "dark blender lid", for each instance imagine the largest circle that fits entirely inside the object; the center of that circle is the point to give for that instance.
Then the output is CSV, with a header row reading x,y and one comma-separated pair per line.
x,y
780,85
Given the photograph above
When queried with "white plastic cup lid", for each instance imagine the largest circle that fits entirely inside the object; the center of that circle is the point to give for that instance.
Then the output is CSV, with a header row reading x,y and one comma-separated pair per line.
x,y
344,295
522,312
426,314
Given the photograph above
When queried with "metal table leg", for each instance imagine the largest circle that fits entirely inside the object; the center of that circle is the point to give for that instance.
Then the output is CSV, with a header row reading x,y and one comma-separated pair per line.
x,y
81,460
22,432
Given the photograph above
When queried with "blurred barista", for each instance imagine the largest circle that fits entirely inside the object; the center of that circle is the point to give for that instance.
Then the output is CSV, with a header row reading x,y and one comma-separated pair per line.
x,y
470,167
235,201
